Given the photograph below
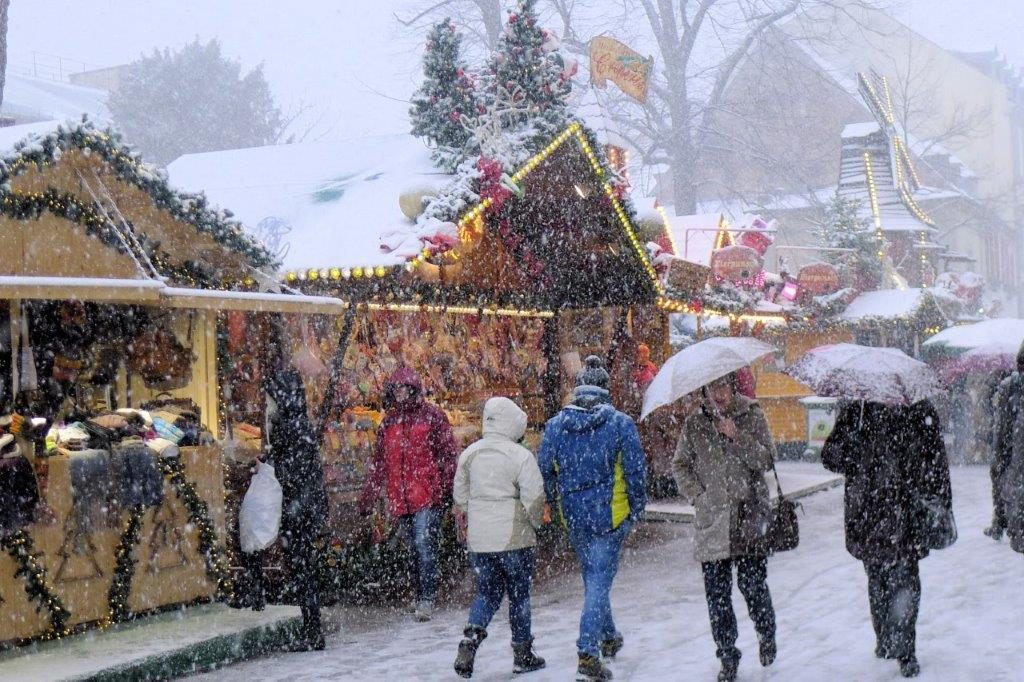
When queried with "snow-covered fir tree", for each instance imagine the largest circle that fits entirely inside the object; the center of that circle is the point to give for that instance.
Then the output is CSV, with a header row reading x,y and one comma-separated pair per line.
x,y
528,66
446,97
843,227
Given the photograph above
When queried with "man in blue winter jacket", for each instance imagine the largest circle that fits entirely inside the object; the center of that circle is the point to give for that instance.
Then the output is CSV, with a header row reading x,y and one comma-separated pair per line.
x,y
594,470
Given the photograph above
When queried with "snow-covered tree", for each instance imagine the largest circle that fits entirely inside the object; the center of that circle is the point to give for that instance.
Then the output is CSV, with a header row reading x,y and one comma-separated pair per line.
x,y
194,100
527,62
843,227
445,98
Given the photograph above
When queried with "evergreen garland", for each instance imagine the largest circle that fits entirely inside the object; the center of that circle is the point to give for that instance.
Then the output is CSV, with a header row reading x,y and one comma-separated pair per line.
x,y
68,206
127,166
19,546
124,568
446,96
199,516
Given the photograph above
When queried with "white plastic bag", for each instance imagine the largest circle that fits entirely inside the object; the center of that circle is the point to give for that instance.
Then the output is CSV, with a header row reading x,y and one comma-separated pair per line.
x,y
259,519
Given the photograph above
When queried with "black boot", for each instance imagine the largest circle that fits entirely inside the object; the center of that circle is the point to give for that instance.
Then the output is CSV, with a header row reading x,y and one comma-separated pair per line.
x,y
909,667
767,652
524,659
311,635
729,671
467,650
590,669
610,647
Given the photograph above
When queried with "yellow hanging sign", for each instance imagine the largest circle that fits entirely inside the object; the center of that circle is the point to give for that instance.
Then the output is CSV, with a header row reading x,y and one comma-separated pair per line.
x,y
611,60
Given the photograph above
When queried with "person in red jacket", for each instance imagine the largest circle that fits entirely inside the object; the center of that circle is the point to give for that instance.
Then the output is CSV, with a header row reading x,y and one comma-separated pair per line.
x,y
414,464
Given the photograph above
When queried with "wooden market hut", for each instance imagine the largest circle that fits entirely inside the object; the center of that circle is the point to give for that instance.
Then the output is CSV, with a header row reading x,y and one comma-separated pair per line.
x,y
101,254
535,272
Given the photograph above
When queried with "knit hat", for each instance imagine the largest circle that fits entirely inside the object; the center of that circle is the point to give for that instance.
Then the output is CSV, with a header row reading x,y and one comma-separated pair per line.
x,y
593,373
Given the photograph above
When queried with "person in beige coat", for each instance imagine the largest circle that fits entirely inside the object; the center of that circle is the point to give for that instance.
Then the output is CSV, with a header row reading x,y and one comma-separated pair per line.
x,y
499,488
723,452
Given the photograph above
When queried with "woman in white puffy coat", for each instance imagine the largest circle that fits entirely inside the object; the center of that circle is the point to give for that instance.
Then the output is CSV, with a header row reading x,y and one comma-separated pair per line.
x,y
499,488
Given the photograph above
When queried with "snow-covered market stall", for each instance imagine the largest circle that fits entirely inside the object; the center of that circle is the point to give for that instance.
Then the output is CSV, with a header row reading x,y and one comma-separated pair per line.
x,y
532,271
111,494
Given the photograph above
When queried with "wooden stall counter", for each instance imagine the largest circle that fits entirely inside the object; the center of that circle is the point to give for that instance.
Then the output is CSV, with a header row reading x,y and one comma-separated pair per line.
x,y
77,547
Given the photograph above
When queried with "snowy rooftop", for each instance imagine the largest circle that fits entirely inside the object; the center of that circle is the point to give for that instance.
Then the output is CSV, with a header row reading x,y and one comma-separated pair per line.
x,y
1000,332
12,135
29,98
318,205
885,303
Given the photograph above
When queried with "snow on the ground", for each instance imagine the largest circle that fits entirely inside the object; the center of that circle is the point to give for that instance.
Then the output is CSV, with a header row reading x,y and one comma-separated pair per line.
x,y
968,629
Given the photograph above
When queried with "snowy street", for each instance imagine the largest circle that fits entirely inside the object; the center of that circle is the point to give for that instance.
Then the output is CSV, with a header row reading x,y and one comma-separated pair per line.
x,y
968,629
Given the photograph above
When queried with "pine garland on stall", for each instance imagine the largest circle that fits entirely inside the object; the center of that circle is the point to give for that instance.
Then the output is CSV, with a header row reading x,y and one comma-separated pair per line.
x,y
19,546
124,568
445,98
199,516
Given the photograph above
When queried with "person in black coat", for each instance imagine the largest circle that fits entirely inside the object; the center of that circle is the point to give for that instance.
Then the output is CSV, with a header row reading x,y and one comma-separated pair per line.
x,y
294,452
898,506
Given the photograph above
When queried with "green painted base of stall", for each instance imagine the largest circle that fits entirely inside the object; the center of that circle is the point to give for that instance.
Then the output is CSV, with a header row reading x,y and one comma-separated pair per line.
x,y
159,647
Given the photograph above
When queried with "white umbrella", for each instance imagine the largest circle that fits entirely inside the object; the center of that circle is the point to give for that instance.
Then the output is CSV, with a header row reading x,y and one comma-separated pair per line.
x,y
699,365
884,375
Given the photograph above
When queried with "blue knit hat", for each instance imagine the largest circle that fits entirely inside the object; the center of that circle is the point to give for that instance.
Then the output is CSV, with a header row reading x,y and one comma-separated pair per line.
x,y
593,373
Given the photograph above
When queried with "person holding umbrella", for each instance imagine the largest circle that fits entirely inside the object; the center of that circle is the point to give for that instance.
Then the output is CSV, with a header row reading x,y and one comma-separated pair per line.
x,y
897,499
723,452
887,442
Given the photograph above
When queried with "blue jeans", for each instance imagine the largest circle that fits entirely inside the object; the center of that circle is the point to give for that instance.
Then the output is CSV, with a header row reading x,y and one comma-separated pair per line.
x,y
420,532
599,561
498,574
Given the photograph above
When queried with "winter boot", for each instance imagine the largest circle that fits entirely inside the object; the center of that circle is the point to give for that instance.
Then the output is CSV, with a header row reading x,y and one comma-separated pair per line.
x,y
729,671
610,647
524,658
474,634
590,669
767,652
909,667
882,651
995,532
311,636
424,610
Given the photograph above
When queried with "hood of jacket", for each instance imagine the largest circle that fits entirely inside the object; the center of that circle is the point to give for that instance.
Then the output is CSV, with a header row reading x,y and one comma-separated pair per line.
x,y
287,390
504,418
576,419
403,376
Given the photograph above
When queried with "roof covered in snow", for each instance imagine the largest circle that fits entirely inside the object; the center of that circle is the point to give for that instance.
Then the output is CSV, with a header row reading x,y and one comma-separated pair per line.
x,y
893,304
323,204
999,332
33,99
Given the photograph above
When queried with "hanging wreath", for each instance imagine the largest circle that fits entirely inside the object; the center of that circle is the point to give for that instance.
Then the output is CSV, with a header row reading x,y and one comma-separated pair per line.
x,y
19,545
198,516
124,568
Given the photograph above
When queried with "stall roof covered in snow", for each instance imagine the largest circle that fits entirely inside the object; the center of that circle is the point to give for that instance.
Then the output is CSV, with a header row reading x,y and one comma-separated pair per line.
x,y
33,99
892,304
323,204
999,332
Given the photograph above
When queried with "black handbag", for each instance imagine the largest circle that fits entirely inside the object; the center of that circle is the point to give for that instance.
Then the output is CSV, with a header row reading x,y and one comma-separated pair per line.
x,y
783,532
938,527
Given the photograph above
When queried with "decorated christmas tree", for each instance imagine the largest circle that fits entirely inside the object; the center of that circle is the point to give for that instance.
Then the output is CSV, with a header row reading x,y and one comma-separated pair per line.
x,y
843,227
445,98
528,69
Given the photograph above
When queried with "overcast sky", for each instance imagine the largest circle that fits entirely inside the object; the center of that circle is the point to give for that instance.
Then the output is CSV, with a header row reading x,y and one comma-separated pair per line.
x,y
350,58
